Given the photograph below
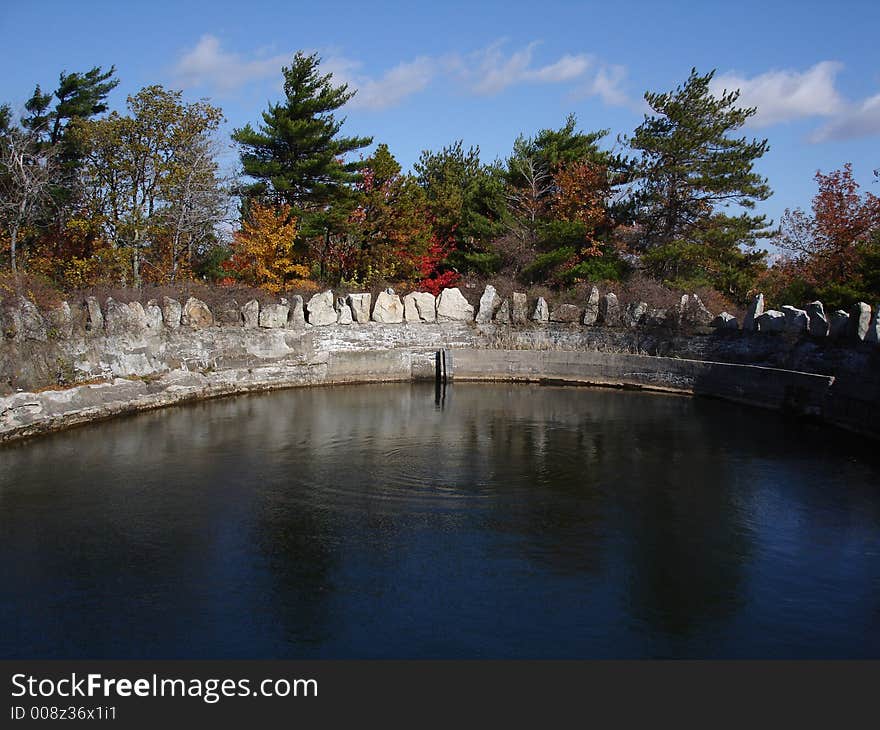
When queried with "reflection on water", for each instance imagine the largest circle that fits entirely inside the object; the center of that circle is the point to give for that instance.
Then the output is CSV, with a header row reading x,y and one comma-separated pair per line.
x,y
501,521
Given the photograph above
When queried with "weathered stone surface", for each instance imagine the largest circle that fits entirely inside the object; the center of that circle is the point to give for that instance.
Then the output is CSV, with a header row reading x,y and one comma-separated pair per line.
x,y
609,310
274,316
796,320
566,313
297,318
489,303
229,314
725,321
839,324
250,314
655,317
171,312
755,310
542,312
360,307
771,321
453,307
426,304
502,316
410,310
873,334
124,319
817,324
388,308
344,312
60,320
154,315
29,323
859,319
696,313
520,310
196,314
320,309
95,321
591,314
633,314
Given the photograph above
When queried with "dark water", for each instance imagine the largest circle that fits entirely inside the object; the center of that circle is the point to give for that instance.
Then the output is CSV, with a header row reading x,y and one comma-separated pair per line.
x,y
516,521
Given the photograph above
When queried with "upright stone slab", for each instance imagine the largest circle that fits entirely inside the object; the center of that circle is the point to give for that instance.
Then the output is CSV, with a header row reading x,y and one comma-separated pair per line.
x,y
542,312
873,334
95,322
31,324
360,307
796,320
426,304
838,326
697,313
502,316
60,319
410,309
124,319
296,319
859,319
591,314
489,303
724,321
453,307
321,310
196,314
274,316
817,324
344,310
771,322
609,310
250,314
755,310
519,313
171,312
634,313
388,308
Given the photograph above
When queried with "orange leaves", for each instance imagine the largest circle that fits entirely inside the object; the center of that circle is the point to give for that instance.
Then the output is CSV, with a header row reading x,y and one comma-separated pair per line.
x,y
263,252
582,194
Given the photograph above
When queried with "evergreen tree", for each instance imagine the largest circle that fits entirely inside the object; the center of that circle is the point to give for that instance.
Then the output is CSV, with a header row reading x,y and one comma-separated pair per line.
x,y
296,155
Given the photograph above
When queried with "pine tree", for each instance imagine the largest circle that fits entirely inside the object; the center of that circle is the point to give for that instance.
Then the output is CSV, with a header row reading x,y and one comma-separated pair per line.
x,y
297,156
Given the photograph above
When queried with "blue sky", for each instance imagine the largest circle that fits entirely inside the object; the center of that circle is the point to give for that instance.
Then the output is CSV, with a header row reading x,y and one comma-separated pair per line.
x,y
429,74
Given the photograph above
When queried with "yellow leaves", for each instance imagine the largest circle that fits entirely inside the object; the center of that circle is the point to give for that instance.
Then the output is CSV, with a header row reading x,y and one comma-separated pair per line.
x,y
263,249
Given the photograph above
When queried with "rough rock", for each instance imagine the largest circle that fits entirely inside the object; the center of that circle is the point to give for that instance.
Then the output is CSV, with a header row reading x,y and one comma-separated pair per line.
x,y
755,310
426,304
541,313
489,303
655,317
297,318
121,319
839,324
859,319
817,324
250,314
453,307
60,320
410,310
171,312
696,313
196,314
321,310
360,307
796,320
154,315
591,314
95,321
520,310
725,321
633,314
229,313
274,316
344,312
609,310
771,321
873,334
566,313
388,308
30,324
502,316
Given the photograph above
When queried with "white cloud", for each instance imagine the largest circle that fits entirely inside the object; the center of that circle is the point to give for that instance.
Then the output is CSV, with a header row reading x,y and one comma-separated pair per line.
x,y
389,89
209,65
783,96
490,71
607,85
858,120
